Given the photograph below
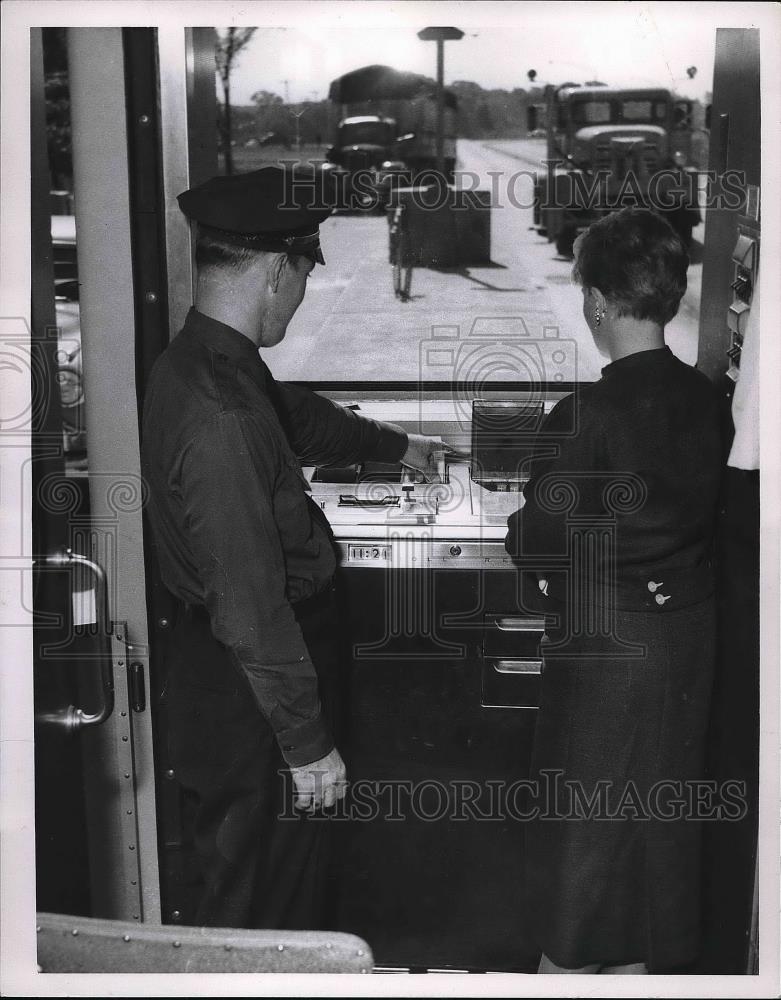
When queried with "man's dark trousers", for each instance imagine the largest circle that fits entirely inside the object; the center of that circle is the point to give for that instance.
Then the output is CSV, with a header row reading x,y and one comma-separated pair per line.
x,y
263,864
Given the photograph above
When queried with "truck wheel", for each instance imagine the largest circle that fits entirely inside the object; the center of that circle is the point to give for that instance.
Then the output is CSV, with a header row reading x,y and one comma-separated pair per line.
x,y
565,241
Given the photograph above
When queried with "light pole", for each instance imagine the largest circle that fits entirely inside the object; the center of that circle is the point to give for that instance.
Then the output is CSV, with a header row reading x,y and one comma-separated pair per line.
x,y
440,36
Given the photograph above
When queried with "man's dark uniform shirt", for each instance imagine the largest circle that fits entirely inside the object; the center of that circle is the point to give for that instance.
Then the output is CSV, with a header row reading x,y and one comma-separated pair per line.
x,y
235,529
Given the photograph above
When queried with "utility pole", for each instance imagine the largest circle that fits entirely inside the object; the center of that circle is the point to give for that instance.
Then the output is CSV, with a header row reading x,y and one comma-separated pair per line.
x,y
440,36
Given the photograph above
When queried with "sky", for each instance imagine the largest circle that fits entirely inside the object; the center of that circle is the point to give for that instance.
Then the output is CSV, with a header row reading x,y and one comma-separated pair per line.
x,y
300,47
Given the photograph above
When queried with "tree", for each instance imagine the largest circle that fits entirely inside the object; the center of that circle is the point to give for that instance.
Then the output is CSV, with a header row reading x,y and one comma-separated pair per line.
x,y
227,47
58,118
273,117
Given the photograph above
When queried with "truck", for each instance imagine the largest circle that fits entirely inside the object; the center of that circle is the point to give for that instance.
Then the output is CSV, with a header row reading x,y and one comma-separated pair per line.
x,y
609,147
387,132
416,144
363,153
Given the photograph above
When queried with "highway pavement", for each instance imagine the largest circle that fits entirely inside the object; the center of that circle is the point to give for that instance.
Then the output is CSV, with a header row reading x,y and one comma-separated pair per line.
x,y
350,326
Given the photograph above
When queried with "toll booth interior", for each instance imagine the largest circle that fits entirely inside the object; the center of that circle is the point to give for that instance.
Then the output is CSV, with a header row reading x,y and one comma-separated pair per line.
x,y
442,664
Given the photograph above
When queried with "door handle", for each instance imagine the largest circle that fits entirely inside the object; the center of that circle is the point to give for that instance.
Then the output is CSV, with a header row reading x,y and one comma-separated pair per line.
x,y
518,666
520,624
72,718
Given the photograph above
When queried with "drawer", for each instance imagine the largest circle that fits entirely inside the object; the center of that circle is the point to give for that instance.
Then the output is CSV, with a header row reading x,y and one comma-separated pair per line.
x,y
511,661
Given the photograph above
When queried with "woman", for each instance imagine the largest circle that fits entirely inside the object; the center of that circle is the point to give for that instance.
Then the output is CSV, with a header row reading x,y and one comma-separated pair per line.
x,y
617,523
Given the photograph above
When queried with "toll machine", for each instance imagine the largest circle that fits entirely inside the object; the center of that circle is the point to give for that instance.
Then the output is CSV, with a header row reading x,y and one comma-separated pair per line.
x,y
442,688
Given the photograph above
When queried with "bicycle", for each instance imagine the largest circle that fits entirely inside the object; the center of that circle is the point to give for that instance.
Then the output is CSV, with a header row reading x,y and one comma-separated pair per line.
x,y
400,255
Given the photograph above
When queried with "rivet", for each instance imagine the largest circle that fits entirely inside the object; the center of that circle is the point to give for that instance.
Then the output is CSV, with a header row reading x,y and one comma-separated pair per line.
x,y
75,931
280,947
228,947
169,774
127,774
120,663
176,915
163,622
136,916
133,881
364,971
125,937
38,930
143,119
130,812
177,944
150,297
123,714
124,739
131,847
328,944
360,953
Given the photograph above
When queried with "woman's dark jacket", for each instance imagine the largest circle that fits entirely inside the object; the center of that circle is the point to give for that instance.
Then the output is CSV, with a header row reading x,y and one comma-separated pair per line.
x,y
621,502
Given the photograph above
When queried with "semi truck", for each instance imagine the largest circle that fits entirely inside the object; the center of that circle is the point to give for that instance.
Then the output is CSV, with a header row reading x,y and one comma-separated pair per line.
x,y
609,147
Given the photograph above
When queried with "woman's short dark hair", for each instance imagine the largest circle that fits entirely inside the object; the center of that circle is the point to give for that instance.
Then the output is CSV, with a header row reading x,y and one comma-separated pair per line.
x,y
638,262
210,251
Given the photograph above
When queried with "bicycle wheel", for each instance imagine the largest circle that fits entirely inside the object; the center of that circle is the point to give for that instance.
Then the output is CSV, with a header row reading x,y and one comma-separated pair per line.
x,y
402,275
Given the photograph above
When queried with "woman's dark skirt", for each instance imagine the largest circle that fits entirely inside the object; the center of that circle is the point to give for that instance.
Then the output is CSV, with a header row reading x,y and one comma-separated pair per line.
x,y
613,861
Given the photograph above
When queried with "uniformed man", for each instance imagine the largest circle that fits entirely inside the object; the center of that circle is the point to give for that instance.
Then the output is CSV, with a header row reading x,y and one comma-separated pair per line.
x,y
250,685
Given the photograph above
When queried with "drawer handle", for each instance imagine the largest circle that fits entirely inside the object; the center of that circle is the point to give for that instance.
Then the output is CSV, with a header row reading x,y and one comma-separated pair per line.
x,y
518,666
520,624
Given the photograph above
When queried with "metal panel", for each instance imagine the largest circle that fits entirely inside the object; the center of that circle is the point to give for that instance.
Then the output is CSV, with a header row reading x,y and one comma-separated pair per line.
x,y
733,748
78,945
112,802
108,342
176,174
60,822
734,146
188,116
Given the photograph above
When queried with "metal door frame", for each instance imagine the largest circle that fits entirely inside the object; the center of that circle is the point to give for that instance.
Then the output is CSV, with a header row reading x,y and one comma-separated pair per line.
x,y
140,137
102,187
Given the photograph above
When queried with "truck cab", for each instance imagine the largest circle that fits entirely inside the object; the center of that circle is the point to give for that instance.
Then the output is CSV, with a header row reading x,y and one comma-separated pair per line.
x,y
608,147
363,153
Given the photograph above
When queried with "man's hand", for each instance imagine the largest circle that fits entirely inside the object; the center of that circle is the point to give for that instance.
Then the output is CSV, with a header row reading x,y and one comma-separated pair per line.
x,y
423,452
320,783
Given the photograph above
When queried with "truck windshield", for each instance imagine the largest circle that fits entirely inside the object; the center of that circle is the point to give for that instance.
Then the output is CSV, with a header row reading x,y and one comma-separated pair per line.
x,y
591,112
643,111
366,133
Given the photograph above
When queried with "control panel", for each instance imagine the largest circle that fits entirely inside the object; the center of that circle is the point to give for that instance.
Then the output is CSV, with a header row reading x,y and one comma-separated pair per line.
x,y
388,516
745,262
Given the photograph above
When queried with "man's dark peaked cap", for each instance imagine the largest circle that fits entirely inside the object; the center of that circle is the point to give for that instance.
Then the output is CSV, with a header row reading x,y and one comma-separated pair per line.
x,y
276,208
